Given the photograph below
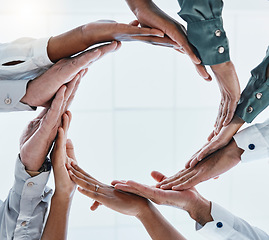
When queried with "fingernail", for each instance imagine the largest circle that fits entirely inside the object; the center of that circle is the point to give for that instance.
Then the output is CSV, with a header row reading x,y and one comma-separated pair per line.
x,y
96,50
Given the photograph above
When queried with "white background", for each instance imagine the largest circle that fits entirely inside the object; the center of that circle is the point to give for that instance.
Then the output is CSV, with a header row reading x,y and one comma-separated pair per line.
x,y
143,108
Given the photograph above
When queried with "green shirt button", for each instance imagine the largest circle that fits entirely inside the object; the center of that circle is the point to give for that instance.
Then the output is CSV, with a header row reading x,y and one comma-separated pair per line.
x,y
221,50
250,109
218,33
258,95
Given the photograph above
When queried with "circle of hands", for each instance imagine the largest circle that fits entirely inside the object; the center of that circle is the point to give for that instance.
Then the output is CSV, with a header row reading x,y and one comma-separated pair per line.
x,y
217,156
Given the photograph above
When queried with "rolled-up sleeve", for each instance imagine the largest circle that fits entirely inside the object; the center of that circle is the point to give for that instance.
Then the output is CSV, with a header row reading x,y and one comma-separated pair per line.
x,y
227,226
23,213
32,60
205,29
255,97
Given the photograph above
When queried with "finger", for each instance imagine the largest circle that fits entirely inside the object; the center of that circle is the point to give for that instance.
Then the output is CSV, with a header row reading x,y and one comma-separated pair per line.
x,y
222,116
219,112
118,46
180,180
137,31
82,60
191,182
166,185
173,178
69,114
104,49
134,23
114,182
65,124
81,182
95,205
70,151
97,196
76,170
210,148
160,41
60,141
159,177
212,134
194,162
70,86
72,95
230,112
203,72
127,188
54,111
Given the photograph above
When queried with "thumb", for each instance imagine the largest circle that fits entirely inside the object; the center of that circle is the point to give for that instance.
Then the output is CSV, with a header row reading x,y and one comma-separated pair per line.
x,y
158,176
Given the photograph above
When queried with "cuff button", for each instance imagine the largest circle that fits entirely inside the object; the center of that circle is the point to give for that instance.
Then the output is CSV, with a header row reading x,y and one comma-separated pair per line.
x,y
8,101
221,50
218,33
219,225
250,109
251,146
258,95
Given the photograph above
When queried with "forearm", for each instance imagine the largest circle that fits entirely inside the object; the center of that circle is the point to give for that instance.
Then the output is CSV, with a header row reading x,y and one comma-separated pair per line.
x,y
66,44
57,223
157,226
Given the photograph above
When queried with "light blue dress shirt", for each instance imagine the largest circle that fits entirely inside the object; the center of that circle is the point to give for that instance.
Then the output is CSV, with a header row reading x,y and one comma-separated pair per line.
x,y
23,213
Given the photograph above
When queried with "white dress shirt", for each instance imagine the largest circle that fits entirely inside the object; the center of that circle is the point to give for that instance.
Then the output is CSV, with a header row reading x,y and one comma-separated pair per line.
x,y
22,215
13,79
226,226
254,140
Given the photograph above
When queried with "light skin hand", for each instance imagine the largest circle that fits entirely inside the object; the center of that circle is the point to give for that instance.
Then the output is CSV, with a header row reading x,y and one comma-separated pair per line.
x,y
125,203
214,165
149,15
41,90
189,200
62,154
230,94
39,135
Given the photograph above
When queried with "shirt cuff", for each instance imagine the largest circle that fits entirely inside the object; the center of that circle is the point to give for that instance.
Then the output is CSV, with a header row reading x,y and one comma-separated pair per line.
x,y
209,39
222,225
31,187
252,141
11,92
255,98
40,53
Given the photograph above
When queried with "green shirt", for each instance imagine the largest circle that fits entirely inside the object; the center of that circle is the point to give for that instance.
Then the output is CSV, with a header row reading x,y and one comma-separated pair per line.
x,y
205,32
205,29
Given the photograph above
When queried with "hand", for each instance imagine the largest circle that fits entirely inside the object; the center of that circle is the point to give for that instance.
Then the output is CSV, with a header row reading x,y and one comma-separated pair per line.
x,y
149,15
37,138
41,90
62,154
39,135
214,165
230,94
189,200
125,203
108,30
217,142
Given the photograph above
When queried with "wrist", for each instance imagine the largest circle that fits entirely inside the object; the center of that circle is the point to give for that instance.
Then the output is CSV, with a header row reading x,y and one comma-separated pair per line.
x,y
64,195
146,211
200,211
